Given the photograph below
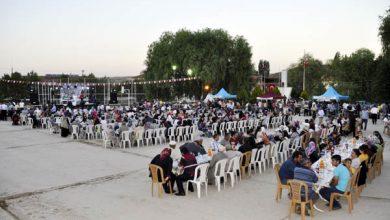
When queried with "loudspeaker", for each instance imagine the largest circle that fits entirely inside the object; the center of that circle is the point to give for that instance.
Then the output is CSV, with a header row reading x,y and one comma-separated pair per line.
x,y
34,98
113,97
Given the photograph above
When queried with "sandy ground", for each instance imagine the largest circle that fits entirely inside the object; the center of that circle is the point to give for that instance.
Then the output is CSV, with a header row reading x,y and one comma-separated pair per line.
x,y
44,176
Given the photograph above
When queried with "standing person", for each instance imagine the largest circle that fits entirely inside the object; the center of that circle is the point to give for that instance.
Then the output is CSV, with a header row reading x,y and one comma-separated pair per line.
x,y
339,182
65,126
374,114
352,123
321,115
3,108
364,116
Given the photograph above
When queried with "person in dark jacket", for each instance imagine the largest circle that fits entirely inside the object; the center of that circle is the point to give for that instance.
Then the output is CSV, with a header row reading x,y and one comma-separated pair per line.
x,y
246,146
165,161
187,164
286,171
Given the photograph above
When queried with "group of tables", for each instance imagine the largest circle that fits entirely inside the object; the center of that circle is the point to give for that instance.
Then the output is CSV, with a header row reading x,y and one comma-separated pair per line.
x,y
325,176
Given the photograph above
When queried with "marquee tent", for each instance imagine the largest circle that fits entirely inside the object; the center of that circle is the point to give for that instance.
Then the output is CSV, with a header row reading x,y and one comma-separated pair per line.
x,y
209,98
270,96
222,94
330,94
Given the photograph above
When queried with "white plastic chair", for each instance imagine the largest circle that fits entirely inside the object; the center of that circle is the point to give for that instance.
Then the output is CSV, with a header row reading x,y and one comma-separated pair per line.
x,y
219,172
266,122
105,139
149,136
199,178
214,128
233,169
98,131
125,138
283,150
186,133
180,135
194,131
44,122
171,134
75,131
222,127
89,132
260,159
159,135
253,160
234,126
274,153
31,122
139,138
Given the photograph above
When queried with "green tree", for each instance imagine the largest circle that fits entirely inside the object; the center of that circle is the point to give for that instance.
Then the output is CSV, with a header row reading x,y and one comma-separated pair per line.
x,y
256,92
304,95
353,75
315,73
243,96
384,31
212,55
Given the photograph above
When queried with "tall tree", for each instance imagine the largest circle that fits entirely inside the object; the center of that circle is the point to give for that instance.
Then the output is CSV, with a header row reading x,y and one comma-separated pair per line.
x,y
314,76
212,55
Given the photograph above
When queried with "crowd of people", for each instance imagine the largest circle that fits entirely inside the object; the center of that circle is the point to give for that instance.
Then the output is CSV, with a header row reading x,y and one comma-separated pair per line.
x,y
179,163
300,165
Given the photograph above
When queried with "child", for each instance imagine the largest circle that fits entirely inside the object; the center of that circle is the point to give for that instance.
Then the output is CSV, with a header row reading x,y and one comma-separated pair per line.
x,y
347,163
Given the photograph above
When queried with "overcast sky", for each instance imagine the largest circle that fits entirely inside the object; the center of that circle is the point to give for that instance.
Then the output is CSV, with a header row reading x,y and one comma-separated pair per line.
x,y
111,37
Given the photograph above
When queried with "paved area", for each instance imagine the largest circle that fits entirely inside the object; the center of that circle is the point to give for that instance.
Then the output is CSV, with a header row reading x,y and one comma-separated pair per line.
x,y
44,176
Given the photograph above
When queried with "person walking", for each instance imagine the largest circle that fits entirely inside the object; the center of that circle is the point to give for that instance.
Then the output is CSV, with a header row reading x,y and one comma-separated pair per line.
x,y
364,116
374,114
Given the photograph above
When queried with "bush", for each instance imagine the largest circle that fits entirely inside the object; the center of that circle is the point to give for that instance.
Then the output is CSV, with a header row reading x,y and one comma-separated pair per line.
x,y
304,95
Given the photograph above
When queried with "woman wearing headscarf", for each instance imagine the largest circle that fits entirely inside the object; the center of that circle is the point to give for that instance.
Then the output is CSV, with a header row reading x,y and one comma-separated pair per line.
x,y
311,151
188,165
65,126
165,161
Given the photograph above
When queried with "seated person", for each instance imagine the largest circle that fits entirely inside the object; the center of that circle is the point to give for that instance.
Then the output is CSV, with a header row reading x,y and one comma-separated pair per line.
x,y
216,157
226,142
306,174
334,138
363,153
339,182
215,145
199,143
165,161
15,119
175,152
355,163
311,151
188,165
246,146
348,164
286,171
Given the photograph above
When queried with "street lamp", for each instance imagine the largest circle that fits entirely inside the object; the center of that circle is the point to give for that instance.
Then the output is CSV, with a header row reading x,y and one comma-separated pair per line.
x,y
174,67
189,72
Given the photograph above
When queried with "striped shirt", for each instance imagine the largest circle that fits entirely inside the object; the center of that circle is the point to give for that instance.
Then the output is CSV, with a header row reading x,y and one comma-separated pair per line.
x,y
306,175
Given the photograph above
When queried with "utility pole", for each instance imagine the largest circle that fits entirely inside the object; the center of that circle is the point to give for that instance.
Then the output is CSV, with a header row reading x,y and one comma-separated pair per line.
x,y
304,70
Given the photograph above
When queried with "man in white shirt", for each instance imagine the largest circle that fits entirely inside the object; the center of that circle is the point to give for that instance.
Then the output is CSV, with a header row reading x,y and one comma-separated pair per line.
x,y
215,145
3,112
175,152
374,114
321,115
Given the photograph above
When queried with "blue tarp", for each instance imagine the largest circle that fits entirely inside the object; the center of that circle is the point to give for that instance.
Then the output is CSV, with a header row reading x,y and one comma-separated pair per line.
x,y
222,94
331,94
